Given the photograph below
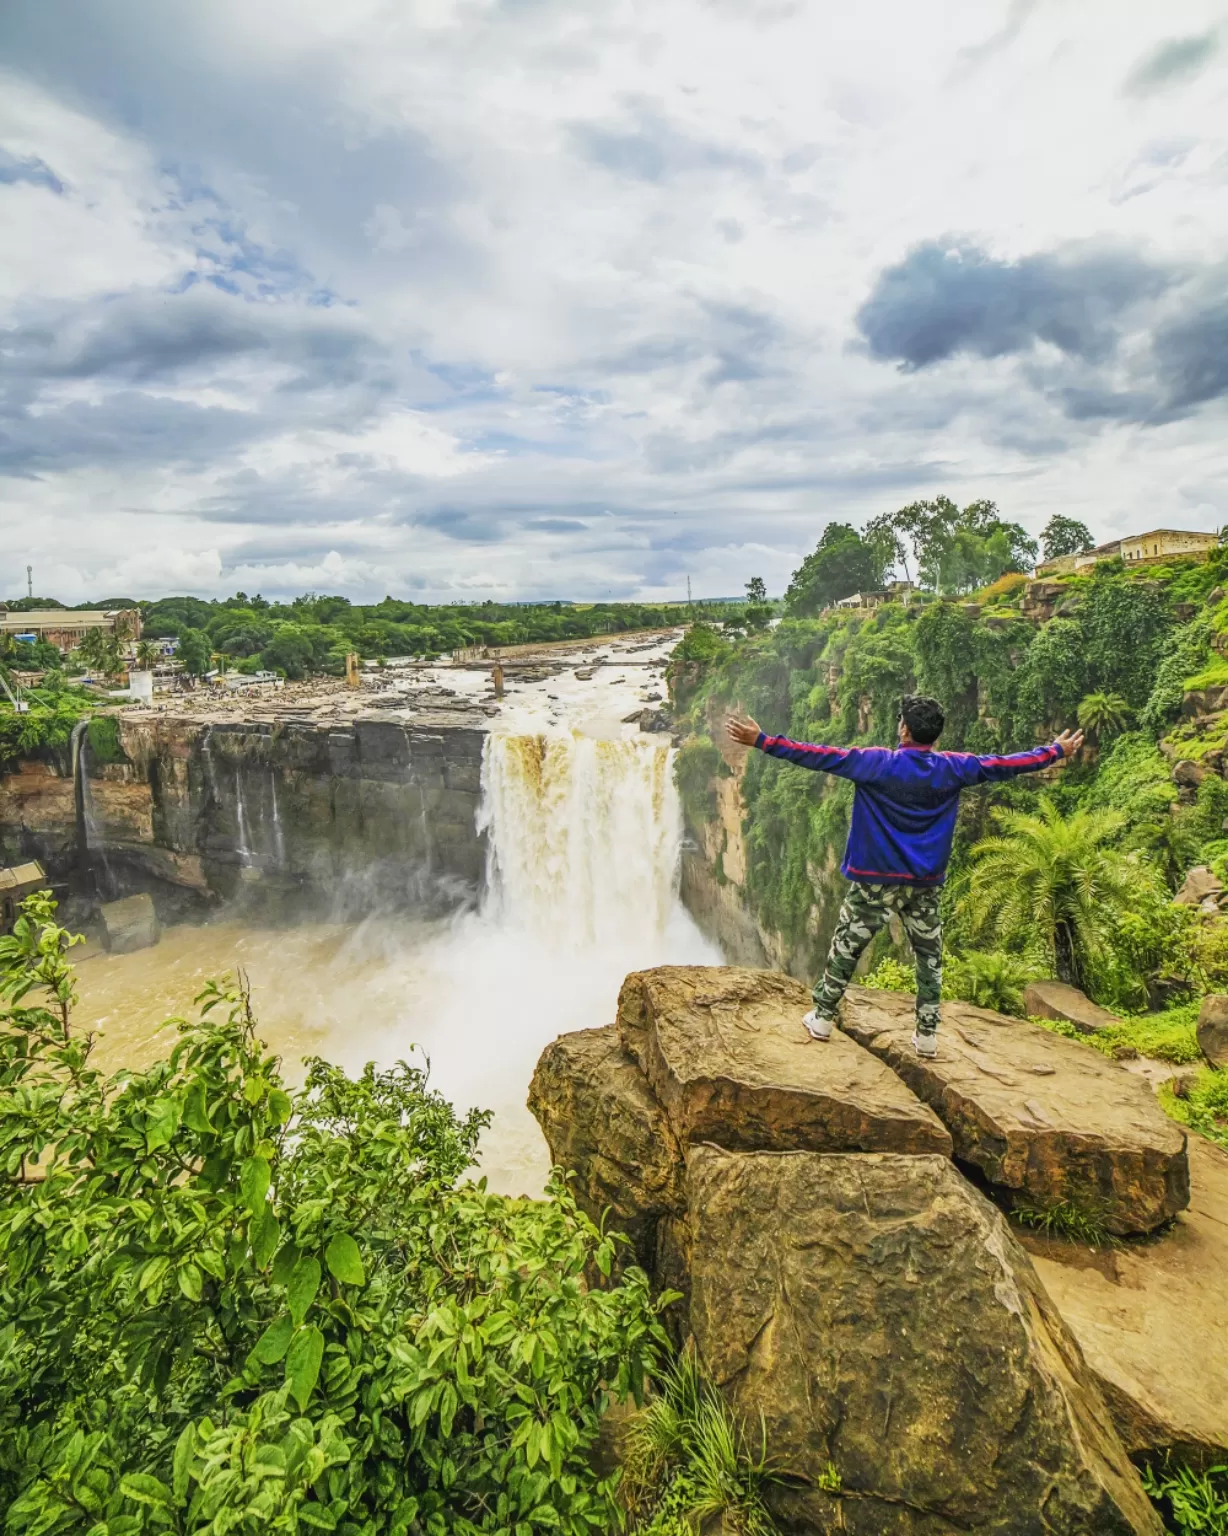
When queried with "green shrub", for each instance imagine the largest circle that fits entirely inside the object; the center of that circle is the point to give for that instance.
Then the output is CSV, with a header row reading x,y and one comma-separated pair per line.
x,y
103,732
892,975
1205,1106
990,979
224,1301
698,762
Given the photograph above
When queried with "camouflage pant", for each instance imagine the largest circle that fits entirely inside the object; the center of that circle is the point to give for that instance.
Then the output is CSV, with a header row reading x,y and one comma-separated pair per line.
x,y
864,911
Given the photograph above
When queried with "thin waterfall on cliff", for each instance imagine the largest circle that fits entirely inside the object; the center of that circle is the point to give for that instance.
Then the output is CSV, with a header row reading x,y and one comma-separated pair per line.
x,y
91,852
583,836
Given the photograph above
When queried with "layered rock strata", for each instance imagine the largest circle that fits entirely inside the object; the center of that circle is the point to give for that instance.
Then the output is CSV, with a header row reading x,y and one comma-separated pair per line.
x,y
1040,1116
841,1275
373,812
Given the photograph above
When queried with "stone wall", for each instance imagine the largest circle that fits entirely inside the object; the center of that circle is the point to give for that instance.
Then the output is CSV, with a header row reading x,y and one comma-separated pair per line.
x,y
341,819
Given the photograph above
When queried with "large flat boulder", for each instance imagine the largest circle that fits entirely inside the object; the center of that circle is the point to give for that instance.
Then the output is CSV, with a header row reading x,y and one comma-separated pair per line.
x,y
1059,1000
878,1314
726,1055
1041,1116
601,1121
1152,1322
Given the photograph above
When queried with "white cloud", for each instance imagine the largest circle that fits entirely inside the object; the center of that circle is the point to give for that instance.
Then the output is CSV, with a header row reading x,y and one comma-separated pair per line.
x,y
584,280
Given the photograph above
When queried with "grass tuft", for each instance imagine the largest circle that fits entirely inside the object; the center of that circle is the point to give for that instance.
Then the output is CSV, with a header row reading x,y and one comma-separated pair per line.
x,y
1193,1503
1167,1036
686,1462
1073,1221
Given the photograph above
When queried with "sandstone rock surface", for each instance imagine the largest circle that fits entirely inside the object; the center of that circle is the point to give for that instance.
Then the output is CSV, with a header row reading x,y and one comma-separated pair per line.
x,y
601,1121
725,1053
129,924
1037,1114
877,1312
1059,1000
1152,1322
1213,1029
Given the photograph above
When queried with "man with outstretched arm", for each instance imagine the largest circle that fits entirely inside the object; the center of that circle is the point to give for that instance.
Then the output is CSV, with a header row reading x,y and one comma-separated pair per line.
x,y
899,843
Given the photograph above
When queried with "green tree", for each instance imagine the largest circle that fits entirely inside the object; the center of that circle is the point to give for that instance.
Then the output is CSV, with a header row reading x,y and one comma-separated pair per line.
x,y
756,590
1053,884
221,1301
290,651
842,564
99,650
194,651
1062,535
955,550
1102,715
1125,624
147,656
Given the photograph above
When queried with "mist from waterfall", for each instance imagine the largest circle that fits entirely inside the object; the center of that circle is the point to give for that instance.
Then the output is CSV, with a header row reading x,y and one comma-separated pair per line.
x,y
583,842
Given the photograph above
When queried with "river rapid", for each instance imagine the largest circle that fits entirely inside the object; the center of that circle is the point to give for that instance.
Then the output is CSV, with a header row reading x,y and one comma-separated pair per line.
x,y
584,832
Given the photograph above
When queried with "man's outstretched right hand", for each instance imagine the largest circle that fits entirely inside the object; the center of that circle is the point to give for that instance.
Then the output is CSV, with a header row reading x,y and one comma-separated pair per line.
x,y
1070,742
743,730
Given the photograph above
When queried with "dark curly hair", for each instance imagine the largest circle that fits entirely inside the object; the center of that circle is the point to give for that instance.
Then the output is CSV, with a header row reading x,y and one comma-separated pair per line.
x,y
923,716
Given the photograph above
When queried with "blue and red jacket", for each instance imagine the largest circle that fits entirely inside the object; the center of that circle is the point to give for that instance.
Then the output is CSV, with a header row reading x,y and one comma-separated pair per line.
x,y
906,801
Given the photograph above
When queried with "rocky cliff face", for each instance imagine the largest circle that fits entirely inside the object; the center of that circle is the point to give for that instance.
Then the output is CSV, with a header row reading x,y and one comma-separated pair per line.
x,y
844,1278
284,814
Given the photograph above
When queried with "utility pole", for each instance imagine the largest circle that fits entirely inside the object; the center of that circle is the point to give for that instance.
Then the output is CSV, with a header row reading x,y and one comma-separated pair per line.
x,y
29,581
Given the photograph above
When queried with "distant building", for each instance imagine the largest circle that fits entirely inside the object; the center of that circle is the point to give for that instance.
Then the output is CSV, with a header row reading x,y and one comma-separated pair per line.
x,y
1136,549
65,628
16,883
864,600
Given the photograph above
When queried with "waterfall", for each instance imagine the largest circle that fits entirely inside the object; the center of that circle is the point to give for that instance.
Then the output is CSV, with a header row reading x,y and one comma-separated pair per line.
x,y
279,837
583,837
91,853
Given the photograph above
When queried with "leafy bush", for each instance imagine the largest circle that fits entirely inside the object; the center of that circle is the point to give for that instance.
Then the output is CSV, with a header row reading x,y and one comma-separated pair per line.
x,y
1204,1108
702,643
227,1307
989,978
696,765
892,975
103,732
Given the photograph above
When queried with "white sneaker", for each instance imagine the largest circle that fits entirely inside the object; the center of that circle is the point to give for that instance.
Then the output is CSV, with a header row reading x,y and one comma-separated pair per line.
x,y
816,1027
925,1045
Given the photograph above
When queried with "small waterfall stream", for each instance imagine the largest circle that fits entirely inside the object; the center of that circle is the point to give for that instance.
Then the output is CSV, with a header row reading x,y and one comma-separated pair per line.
x,y
91,850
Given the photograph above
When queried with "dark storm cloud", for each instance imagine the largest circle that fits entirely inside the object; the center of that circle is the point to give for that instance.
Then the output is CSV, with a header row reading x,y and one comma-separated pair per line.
x,y
127,428
29,168
149,335
942,300
170,75
1173,61
1192,357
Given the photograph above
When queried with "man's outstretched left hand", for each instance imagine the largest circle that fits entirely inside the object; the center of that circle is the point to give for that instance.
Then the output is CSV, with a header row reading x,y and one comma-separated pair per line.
x,y
743,730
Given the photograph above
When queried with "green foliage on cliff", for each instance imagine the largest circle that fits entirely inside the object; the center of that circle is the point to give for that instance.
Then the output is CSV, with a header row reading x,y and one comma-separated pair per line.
x,y
1121,645
225,1306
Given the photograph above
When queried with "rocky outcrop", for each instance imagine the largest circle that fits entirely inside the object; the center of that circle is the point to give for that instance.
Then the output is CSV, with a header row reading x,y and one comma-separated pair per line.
x,y
1059,1000
600,1118
1149,1318
372,812
1042,1117
878,1315
724,1052
129,924
1213,1029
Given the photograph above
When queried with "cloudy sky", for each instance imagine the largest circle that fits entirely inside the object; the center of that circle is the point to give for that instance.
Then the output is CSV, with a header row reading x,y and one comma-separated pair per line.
x,y
529,298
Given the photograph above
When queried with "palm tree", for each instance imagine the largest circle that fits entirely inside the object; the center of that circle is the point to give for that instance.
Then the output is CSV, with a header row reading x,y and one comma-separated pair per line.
x,y
1053,882
146,656
1103,715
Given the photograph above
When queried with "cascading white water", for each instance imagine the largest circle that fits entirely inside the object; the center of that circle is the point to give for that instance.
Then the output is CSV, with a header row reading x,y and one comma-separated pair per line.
x,y
584,837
